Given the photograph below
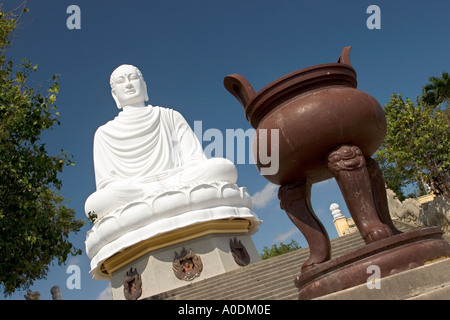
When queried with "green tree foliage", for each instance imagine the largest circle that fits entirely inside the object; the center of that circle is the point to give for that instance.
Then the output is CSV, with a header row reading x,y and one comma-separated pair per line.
x,y
437,90
279,250
437,93
35,219
417,145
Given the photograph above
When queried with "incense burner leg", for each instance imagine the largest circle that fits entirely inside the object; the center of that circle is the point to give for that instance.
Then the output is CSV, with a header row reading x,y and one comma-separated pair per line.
x,y
379,194
348,166
295,199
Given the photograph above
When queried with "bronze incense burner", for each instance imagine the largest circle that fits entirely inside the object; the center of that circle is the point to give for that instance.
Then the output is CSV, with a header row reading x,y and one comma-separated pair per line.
x,y
328,128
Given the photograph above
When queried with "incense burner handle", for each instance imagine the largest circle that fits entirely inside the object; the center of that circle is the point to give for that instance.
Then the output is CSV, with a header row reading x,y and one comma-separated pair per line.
x,y
239,87
345,56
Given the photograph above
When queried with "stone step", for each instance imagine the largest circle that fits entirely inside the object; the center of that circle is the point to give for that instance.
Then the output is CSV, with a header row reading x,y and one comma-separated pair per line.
x,y
257,284
431,281
270,285
280,292
236,277
442,292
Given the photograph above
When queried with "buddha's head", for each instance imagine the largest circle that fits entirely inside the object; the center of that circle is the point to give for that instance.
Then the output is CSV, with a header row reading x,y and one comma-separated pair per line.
x,y
128,86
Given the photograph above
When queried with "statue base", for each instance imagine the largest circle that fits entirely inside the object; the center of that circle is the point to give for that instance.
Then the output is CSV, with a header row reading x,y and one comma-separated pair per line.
x,y
382,258
176,260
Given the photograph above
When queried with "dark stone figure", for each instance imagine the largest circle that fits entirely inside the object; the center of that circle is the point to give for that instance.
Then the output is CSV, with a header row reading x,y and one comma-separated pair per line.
x,y
132,285
239,252
187,265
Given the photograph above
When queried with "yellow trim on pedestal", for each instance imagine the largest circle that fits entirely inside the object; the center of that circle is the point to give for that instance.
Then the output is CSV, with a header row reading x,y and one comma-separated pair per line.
x,y
121,259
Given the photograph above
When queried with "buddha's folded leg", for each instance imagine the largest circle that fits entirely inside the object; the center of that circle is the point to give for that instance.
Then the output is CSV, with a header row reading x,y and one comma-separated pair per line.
x,y
111,197
210,170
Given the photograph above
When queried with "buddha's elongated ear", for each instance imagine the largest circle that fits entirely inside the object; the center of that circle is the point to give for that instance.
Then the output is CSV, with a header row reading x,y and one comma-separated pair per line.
x,y
144,87
113,93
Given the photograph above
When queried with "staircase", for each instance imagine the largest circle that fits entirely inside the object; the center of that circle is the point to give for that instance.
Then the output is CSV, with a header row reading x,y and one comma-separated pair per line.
x,y
267,279
271,279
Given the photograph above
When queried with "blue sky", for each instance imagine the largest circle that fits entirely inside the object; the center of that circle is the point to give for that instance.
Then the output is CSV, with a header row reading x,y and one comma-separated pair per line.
x,y
185,49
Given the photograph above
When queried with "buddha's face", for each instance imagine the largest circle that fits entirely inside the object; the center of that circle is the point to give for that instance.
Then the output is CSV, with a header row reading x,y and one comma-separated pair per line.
x,y
128,88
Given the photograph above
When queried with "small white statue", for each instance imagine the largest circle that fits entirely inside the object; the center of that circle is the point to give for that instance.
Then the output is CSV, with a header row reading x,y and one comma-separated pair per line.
x,y
146,149
336,211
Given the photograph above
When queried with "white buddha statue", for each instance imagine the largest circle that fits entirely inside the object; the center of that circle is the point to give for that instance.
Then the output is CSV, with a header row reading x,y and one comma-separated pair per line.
x,y
146,150
152,177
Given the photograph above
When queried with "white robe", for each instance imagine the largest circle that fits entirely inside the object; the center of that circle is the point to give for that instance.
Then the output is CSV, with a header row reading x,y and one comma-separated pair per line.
x,y
144,145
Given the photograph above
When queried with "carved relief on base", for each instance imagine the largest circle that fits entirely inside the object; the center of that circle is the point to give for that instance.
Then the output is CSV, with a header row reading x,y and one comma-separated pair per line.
x,y
132,285
187,265
239,252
